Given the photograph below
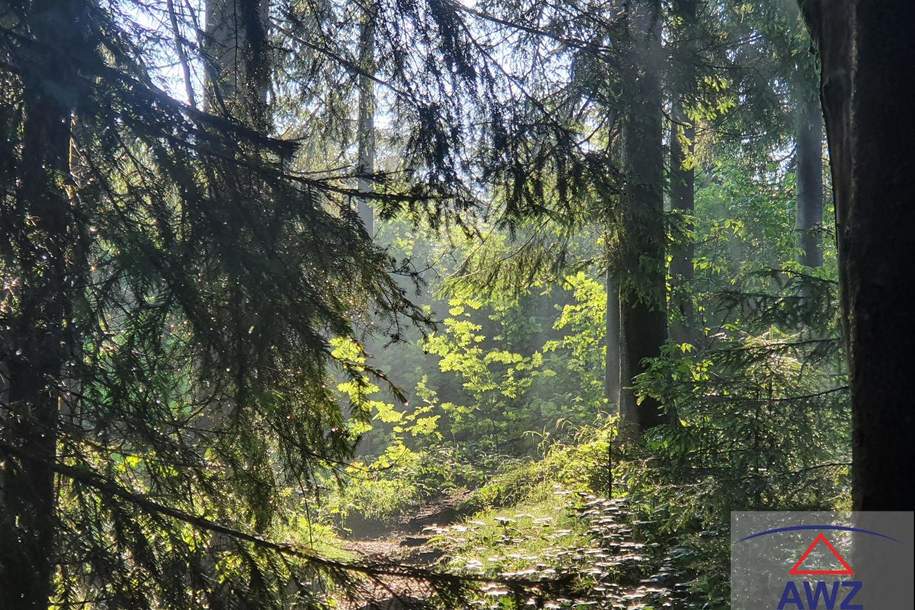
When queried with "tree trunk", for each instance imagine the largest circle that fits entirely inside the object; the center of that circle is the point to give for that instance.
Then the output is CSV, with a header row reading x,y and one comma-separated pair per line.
x,y
643,319
682,174
682,199
238,84
238,71
810,179
366,129
866,52
612,360
44,233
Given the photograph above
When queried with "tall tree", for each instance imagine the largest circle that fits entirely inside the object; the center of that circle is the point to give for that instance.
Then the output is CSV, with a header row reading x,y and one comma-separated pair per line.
x,y
238,70
46,261
808,130
237,84
365,136
809,126
612,339
643,317
682,172
864,47
169,289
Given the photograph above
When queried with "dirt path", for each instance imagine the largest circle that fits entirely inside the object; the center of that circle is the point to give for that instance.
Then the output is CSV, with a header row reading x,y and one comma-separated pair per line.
x,y
407,541
626,572
406,544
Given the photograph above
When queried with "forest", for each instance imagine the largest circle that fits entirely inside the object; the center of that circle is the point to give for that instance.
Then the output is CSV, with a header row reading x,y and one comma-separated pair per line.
x,y
395,304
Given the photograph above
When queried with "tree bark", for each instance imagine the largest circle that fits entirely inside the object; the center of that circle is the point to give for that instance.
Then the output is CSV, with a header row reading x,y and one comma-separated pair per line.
x,y
612,363
366,128
612,360
39,342
682,173
866,52
643,317
810,179
682,199
238,68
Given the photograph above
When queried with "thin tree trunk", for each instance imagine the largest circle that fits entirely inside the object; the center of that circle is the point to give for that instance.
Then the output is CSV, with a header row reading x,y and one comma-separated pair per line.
x,y
612,361
643,319
182,54
810,179
866,54
366,128
39,338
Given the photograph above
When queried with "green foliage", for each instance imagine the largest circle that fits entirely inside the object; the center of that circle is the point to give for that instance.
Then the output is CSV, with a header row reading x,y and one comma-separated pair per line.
x,y
495,381
522,520
574,363
764,422
532,534
380,488
205,333
527,373
581,464
507,402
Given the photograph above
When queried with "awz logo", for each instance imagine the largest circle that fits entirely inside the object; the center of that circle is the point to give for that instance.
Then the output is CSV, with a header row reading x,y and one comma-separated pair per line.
x,y
822,560
819,590
815,594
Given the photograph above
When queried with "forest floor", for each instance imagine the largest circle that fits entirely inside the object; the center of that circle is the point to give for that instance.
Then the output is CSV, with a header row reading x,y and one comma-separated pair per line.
x,y
596,545
407,543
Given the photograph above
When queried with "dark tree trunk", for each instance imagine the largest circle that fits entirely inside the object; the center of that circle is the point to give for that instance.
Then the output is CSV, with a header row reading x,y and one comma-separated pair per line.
x,y
43,230
810,179
682,199
682,174
867,51
643,317
238,83
238,72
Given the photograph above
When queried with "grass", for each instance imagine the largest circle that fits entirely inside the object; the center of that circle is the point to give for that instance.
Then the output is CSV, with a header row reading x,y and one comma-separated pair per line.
x,y
531,539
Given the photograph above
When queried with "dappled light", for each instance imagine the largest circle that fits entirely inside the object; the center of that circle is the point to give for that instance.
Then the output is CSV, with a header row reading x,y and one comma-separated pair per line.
x,y
399,304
